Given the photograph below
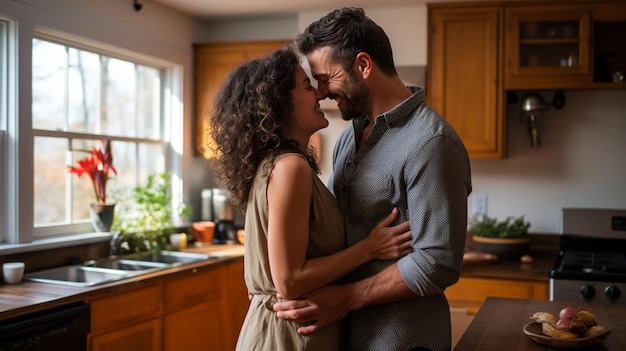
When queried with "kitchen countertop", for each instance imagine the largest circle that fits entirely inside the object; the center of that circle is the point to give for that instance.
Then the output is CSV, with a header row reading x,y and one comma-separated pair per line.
x,y
27,297
543,249
499,323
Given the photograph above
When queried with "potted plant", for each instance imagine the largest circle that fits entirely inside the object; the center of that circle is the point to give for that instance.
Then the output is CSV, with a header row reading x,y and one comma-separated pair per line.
x,y
145,216
508,239
97,167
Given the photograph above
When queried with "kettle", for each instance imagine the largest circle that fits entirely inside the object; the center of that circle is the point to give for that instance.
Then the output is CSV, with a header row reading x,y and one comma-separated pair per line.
x,y
223,215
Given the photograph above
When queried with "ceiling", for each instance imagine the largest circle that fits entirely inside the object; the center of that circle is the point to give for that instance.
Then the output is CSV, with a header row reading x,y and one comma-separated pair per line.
x,y
247,8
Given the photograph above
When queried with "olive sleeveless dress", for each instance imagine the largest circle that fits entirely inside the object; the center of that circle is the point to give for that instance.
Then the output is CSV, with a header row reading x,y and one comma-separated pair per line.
x,y
262,330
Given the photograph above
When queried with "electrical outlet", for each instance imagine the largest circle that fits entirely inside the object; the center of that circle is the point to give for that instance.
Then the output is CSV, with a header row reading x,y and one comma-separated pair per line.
x,y
480,204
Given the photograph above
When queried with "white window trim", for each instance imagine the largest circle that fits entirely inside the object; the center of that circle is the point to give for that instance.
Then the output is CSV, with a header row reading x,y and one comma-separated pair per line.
x,y
19,223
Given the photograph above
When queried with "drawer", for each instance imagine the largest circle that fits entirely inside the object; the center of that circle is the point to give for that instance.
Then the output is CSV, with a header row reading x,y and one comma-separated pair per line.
x,y
470,293
194,287
125,307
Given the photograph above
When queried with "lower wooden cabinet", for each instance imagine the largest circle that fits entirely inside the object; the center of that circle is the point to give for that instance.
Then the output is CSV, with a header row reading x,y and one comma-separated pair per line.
x,y
198,309
237,302
127,321
141,336
470,293
198,328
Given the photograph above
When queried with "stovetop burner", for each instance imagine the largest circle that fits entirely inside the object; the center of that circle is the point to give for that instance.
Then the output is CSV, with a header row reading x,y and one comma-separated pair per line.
x,y
585,258
594,264
591,265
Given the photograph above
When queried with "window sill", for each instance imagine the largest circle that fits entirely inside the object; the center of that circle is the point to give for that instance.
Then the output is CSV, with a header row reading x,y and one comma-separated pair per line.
x,y
53,243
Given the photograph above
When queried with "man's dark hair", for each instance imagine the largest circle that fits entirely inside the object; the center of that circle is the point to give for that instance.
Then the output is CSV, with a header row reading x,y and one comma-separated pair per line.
x,y
348,31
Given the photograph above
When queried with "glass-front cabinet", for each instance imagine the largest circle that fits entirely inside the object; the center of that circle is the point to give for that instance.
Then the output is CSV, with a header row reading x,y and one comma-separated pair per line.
x,y
547,47
577,45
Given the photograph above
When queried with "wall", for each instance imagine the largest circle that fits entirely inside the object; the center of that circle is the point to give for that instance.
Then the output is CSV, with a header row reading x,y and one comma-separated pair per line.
x,y
155,30
580,163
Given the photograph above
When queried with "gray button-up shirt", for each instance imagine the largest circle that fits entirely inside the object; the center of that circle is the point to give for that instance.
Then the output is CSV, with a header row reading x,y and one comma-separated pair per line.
x,y
414,160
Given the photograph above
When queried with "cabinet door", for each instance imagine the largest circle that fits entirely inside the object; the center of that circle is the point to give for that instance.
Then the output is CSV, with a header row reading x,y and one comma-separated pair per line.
x,y
145,336
464,75
194,287
213,63
199,328
470,293
125,308
547,47
235,302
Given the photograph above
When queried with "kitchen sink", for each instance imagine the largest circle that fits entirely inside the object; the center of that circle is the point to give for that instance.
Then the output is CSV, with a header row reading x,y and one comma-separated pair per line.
x,y
114,268
126,265
172,258
78,275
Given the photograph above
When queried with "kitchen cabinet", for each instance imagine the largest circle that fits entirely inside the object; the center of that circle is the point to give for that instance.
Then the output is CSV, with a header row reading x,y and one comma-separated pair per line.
x,y
195,328
236,301
193,319
479,50
213,63
564,45
470,293
142,336
127,321
464,81
547,47
197,309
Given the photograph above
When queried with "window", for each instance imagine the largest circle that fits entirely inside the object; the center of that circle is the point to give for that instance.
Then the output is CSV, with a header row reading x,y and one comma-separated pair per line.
x,y
80,95
5,30
80,92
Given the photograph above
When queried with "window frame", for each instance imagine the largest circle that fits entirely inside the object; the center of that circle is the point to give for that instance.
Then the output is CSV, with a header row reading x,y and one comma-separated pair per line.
x,y
19,141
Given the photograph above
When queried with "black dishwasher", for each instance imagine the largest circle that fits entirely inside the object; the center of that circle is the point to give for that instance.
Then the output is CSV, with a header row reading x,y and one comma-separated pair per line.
x,y
63,328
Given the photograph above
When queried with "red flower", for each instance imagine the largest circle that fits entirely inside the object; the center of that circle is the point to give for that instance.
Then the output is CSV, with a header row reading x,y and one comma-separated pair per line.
x,y
97,167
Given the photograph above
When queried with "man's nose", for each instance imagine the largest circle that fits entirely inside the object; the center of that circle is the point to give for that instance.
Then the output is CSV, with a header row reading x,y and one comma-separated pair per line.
x,y
323,87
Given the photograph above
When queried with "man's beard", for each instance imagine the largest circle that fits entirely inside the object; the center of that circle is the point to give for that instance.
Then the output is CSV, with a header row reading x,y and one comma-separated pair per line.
x,y
354,99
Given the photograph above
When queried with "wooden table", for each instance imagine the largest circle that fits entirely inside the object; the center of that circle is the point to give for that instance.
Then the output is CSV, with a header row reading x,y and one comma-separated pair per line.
x,y
499,322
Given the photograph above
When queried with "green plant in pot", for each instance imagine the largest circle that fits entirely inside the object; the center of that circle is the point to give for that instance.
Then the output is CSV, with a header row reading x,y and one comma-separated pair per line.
x,y
145,216
508,239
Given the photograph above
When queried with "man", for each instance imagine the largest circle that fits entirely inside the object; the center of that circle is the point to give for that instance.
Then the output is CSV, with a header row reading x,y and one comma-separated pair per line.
x,y
398,153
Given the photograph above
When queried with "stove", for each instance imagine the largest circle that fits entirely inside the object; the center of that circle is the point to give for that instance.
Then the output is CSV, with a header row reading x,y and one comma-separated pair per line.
x,y
591,264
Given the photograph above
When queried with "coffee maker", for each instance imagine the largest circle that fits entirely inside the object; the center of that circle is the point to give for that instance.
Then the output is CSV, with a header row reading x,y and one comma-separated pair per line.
x,y
223,215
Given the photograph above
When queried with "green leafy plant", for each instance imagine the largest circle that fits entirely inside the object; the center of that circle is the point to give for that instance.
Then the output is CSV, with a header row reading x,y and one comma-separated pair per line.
x,y
145,215
511,227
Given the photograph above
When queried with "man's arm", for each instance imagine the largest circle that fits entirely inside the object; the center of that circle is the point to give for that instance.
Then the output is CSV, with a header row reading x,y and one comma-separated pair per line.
x,y
331,303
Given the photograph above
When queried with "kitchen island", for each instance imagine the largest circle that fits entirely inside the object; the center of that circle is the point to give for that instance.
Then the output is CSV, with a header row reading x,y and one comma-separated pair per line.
x,y
499,322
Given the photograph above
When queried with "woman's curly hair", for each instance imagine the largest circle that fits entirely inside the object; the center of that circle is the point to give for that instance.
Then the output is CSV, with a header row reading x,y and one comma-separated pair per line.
x,y
251,120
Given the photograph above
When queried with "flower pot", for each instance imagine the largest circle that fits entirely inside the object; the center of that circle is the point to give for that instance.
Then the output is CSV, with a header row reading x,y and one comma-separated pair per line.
x,y
102,216
503,248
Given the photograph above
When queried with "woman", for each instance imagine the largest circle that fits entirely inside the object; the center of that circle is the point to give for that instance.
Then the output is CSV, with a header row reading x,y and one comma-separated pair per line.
x,y
264,116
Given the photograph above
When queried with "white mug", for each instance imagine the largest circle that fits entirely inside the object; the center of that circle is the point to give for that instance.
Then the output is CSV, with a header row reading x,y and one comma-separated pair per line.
x,y
12,272
178,241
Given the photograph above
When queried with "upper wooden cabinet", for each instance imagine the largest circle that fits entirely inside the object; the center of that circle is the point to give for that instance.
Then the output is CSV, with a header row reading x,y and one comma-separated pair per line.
x,y
478,50
564,45
464,81
547,47
213,63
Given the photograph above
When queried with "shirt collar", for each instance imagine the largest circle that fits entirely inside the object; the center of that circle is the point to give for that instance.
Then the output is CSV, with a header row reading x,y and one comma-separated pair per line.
x,y
404,109
398,113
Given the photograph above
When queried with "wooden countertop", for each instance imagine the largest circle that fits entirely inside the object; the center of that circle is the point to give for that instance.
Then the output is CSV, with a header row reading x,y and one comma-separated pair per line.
x,y
499,322
543,249
27,297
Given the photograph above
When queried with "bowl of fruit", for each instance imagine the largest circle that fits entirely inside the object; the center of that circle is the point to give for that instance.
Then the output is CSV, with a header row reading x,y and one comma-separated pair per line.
x,y
572,328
